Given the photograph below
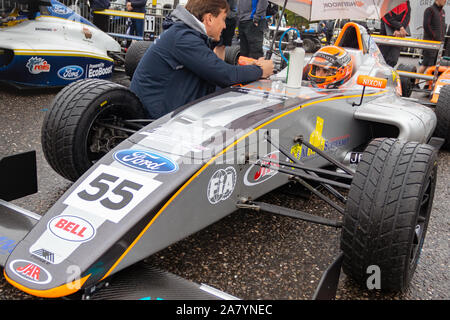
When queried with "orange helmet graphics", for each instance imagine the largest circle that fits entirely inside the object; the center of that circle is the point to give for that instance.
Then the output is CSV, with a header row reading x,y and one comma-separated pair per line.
x,y
330,67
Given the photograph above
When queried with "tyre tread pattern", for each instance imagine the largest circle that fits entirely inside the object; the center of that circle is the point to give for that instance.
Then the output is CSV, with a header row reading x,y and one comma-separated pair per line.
x,y
380,213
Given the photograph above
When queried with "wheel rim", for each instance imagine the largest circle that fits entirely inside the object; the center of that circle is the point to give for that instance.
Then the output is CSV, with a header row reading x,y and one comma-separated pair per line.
x,y
106,131
422,220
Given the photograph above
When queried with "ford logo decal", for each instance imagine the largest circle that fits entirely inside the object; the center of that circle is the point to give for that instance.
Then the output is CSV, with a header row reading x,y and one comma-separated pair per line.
x,y
71,72
146,161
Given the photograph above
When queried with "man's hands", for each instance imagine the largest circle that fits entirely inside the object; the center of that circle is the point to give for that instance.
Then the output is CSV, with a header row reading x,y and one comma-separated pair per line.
x,y
400,33
266,66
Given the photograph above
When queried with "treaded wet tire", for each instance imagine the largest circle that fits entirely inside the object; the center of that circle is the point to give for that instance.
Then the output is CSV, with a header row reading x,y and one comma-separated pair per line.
x,y
68,127
388,210
442,111
134,54
407,83
232,54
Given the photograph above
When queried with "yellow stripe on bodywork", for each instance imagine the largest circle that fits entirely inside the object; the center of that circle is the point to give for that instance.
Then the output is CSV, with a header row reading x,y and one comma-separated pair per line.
x,y
118,13
406,39
214,158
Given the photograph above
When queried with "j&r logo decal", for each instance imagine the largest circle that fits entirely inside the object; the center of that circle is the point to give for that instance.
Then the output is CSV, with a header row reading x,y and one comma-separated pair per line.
x,y
257,174
221,185
30,271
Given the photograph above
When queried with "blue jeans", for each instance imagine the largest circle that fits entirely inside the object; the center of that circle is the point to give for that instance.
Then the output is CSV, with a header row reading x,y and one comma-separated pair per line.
x,y
137,27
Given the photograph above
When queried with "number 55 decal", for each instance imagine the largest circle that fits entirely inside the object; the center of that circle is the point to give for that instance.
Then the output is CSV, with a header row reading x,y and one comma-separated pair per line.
x,y
107,193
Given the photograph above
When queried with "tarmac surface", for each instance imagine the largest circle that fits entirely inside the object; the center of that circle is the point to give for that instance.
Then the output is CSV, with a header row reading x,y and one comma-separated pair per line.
x,y
248,255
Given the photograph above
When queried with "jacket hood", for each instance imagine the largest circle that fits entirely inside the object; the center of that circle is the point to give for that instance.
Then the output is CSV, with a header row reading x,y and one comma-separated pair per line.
x,y
180,14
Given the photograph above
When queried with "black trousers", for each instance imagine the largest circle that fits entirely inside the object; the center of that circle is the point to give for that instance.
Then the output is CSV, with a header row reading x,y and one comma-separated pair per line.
x,y
101,21
251,38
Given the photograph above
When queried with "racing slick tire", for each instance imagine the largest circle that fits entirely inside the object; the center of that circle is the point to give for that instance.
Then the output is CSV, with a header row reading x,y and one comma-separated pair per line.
x,y
407,83
134,54
78,129
442,111
387,212
232,54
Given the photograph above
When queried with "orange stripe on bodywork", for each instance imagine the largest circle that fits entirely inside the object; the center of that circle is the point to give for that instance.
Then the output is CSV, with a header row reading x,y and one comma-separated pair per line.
x,y
61,291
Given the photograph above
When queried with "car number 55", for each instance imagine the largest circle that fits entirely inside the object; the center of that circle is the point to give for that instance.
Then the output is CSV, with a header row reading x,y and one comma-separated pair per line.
x,y
111,192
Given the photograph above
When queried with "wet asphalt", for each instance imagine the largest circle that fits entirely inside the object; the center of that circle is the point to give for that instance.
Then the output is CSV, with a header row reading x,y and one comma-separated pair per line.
x,y
248,255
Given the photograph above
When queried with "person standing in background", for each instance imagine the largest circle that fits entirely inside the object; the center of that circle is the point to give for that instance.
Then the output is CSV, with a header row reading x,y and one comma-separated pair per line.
x,y
101,21
252,24
137,25
434,29
395,23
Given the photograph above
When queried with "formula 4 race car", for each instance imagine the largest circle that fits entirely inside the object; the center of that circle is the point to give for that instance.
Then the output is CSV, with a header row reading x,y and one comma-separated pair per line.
x,y
46,44
142,185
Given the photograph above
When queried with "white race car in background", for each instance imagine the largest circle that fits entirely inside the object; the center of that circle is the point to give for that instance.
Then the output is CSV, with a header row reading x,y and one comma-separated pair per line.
x,y
43,43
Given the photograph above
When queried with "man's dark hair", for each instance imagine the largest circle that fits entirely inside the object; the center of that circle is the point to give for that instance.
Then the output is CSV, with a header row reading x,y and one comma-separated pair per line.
x,y
201,7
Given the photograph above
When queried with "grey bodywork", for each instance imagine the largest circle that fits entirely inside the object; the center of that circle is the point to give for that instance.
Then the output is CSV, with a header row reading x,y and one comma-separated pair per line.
x,y
222,135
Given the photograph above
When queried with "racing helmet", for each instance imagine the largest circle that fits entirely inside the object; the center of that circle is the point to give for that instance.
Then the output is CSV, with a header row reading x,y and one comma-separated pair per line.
x,y
330,67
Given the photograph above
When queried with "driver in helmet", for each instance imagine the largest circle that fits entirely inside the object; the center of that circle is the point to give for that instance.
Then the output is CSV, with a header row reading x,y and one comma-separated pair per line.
x,y
330,67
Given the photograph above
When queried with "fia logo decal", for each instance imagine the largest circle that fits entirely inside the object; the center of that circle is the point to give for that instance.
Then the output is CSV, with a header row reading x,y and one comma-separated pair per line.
x,y
221,185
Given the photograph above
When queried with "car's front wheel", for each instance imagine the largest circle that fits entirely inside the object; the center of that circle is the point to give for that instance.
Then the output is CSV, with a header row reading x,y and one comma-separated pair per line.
x,y
387,212
87,119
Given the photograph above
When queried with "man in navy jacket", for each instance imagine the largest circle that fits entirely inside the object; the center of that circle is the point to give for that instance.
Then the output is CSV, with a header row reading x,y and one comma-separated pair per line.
x,y
181,66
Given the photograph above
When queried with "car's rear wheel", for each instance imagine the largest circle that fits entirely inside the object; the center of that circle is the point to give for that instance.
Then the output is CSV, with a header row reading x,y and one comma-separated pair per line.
x,y
388,210
134,54
87,119
407,83
443,116
232,54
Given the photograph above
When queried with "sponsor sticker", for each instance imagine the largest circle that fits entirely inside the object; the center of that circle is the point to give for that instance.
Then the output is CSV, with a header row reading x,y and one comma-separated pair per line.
x,y
70,72
98,70
37,65
71,228
221,185
30,271
257,174
146,161
111,193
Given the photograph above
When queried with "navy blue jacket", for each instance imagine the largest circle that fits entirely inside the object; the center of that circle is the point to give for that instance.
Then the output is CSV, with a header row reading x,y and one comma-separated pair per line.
x,y
138,5
99,4
180,67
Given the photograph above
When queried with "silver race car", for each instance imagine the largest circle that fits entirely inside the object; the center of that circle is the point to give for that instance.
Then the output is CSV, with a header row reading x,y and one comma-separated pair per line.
x,y
142,185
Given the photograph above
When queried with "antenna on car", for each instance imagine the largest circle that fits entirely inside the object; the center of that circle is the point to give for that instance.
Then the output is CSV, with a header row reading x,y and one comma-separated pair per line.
x,y
272,45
